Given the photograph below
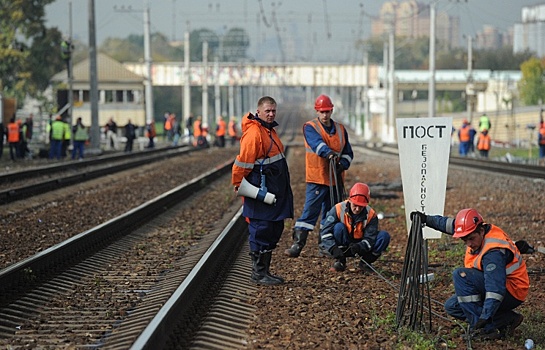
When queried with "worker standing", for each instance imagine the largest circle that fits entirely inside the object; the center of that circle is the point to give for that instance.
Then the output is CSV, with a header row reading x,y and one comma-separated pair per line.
x,y
328,155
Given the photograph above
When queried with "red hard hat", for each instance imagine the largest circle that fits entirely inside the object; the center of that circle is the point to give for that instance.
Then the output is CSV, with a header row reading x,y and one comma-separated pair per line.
x,y
466,222
359,194
323,103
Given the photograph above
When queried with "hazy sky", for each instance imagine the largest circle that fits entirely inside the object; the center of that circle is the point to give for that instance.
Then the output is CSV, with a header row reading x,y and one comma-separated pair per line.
x,y
306,29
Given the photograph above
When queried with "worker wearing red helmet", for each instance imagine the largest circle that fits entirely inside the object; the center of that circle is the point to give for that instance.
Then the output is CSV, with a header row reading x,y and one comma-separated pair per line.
x,y
494,279
326,143
351,229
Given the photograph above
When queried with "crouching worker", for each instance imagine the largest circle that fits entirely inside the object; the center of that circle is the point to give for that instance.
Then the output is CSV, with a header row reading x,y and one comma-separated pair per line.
x,y
494,279
351,229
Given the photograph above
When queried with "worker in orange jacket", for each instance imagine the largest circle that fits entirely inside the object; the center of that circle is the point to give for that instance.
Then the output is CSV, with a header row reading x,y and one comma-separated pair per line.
x,y
220,132
261,163
494,279
328,155
483,143
232,129
13,138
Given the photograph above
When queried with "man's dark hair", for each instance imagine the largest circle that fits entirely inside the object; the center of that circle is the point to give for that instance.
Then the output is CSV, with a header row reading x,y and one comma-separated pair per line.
x,y
265,99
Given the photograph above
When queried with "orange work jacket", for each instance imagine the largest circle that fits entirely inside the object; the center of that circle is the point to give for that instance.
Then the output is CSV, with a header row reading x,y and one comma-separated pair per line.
x,y
356,232
518,282
317,168
258,145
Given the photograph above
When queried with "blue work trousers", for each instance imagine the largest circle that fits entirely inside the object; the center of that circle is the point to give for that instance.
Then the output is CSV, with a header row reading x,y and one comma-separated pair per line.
x,y
77,150
263,234
464,148
55,149
469,282
317,199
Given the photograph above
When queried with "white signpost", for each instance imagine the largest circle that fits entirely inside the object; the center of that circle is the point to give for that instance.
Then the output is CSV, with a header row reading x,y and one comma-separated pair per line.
x,y
424,150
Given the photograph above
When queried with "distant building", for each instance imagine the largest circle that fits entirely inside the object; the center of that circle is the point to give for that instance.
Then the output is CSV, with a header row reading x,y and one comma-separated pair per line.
x,y
530,34
489,38
120,92
411,19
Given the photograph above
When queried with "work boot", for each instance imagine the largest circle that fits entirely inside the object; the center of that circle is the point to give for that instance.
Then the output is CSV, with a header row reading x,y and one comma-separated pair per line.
x,y
366,261
514,322
260,268
300,239
339,265
267,256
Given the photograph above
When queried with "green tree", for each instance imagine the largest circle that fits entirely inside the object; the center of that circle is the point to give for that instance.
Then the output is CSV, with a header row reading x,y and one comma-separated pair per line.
x,y
532,85
196,40
25,45
235,45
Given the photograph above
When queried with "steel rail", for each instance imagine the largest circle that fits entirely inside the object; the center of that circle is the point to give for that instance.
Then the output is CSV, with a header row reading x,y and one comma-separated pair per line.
x,y
102,167
28,273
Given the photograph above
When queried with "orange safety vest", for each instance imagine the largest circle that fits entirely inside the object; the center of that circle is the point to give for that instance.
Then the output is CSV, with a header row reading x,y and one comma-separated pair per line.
x,y
221,128
197,131
317,168
168,122
356,232
542,133
463,134
13,132
484,142
518,282
232,128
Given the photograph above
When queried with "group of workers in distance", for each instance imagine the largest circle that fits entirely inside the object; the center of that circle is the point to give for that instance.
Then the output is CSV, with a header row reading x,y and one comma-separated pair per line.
x,y
493,281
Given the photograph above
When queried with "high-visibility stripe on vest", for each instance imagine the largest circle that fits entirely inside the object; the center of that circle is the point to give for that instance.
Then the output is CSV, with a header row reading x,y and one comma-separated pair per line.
x,y
355,230
317,168
518,282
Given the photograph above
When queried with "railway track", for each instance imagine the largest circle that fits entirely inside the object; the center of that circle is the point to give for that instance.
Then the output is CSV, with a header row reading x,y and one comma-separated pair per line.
x,y
35,181
148,306
94,291
490,166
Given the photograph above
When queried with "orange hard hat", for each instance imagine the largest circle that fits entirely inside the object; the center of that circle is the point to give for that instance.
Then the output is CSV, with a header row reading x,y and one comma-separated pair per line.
x,y
466,222
359,194
323,103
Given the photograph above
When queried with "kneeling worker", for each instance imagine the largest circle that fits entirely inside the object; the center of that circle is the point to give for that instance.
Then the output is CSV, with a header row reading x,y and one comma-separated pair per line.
x,y
494,279
351,229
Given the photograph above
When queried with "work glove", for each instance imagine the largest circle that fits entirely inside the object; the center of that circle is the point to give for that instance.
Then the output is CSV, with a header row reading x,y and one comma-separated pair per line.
x,y
481,323
420,215
355,249
332,155
337,253
524,247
